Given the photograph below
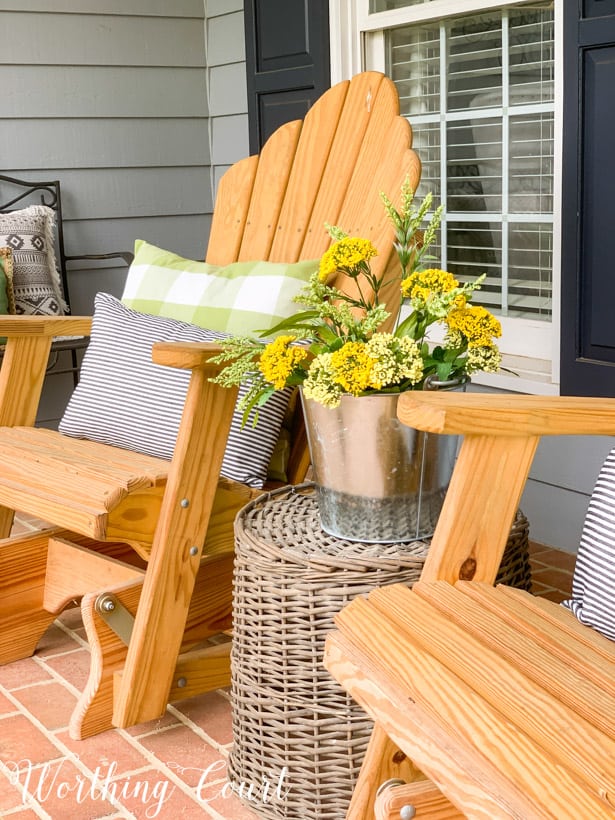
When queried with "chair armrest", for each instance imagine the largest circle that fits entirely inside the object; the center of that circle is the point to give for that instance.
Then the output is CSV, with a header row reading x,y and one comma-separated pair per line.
x,y
45,326
507,415
127,256
188,355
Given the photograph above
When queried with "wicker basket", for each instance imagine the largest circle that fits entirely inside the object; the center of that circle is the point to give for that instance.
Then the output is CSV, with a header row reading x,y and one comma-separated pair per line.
x,y
299,739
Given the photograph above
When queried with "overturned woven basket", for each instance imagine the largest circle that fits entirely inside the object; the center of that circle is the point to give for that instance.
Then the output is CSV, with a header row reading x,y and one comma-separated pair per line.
x,y
299,739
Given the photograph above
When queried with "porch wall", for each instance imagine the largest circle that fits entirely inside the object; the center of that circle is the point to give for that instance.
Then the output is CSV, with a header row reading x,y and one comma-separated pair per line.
x,y
110,97
228,101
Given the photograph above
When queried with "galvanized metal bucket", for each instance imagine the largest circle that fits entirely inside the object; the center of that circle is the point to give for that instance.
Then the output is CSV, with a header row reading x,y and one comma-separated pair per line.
x,y
378,480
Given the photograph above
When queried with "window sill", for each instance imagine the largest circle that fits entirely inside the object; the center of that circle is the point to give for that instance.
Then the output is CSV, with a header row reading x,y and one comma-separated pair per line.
x,y
521,375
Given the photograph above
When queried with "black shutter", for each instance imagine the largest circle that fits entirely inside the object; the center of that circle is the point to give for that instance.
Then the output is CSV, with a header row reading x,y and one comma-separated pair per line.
x,y
588,207
287,61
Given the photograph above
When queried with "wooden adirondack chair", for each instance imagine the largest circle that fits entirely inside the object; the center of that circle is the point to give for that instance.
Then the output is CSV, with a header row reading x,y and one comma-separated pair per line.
x,y
148,597
504,701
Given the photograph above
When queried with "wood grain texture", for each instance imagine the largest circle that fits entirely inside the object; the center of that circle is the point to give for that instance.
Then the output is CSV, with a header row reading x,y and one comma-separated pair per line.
x,y
172,570
567,716
507,415
231,211
73,570
76,483
274,165
383,761
457,770
427,800
93,712
301,236
187,355
486,758
479,508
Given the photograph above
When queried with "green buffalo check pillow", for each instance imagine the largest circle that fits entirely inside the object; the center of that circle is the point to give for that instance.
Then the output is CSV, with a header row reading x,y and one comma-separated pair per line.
x,y
240,299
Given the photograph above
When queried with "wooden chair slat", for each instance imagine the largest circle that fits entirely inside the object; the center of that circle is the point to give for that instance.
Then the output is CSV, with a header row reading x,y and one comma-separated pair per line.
x,y
274,166
560,635
68,478
118,458
300,237
229,217
360,105
477,764
464,636
589,639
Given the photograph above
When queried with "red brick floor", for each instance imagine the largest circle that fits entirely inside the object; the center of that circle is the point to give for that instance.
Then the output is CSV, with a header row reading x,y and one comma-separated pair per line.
x,y
551,572
171,768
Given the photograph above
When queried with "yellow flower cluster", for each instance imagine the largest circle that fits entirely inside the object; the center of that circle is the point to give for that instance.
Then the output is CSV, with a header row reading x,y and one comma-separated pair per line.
x,y
426,283
279,359
346,255
393,360
351,365
476,324
384,361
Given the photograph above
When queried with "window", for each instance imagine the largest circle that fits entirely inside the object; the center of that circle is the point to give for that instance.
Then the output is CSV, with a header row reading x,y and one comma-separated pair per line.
x,y
477,82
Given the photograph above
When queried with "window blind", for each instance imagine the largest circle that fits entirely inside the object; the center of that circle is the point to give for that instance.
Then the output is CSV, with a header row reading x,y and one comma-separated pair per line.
x,y
479,92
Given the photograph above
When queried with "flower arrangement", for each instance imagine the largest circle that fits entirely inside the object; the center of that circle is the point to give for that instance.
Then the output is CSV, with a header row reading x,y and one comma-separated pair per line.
x,y
336,345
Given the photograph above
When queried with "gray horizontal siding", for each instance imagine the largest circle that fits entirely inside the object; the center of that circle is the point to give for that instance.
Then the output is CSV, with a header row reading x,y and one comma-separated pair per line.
x,y
148,8
74,142
215,7
101,40
111,98
226,40
228,101
132,192
185,234
102,91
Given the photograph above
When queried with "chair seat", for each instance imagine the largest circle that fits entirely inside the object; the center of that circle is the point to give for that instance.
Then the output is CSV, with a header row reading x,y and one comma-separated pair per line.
x,y
523,713
95,479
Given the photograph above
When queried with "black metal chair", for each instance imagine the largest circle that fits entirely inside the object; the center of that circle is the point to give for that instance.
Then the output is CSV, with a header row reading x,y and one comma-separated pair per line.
x,y
19,193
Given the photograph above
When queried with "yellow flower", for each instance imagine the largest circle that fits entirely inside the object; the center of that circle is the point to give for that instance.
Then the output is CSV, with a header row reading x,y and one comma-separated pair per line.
x,y
393,360
475,323
487,358
320,384
278,360
427,283
346,255
351,366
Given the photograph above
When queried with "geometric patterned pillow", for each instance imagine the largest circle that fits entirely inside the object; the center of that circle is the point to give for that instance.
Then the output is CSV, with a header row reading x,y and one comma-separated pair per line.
x,y
240,298
124,399
593,584
30,234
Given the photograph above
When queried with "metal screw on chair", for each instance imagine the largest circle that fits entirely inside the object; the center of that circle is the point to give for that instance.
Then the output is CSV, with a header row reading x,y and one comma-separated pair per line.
x,y
107,605
184,503
182,682
194,550
407,812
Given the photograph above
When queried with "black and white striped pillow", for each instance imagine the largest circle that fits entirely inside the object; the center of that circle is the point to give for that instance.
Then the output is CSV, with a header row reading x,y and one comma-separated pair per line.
x,y
124,399
593,584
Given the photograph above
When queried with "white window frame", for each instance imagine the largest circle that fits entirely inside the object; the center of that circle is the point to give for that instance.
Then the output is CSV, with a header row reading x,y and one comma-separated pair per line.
x,y
530,347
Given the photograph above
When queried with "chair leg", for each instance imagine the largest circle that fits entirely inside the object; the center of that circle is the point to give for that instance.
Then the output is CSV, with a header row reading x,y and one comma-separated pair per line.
x,y
23,617
201,671
383,761
94,710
